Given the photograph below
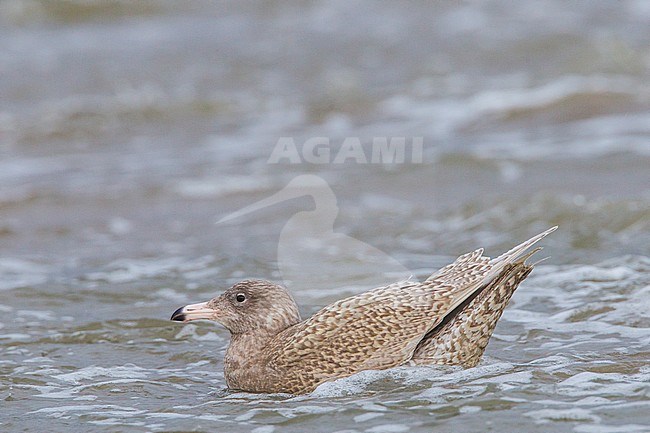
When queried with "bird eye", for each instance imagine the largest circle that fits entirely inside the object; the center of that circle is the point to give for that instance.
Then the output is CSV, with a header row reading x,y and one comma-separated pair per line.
x,y
240,297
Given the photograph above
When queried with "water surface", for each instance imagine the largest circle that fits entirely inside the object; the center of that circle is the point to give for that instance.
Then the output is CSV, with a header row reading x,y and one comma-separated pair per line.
x,y
128,129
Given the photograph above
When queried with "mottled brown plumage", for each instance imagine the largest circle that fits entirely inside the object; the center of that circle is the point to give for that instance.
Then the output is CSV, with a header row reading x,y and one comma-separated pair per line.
x,y
447,319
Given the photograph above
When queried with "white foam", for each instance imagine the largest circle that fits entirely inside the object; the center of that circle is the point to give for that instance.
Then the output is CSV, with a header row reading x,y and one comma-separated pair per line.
x,y
190,330
573,414
16,273
469,409
367,416
389,428
15,336
37,314
129,371
264,429
107,409
120,226
128,270
607,428
354,384
219,186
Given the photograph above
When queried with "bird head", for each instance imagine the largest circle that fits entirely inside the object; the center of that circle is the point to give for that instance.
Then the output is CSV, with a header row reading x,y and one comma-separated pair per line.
x,y
248,306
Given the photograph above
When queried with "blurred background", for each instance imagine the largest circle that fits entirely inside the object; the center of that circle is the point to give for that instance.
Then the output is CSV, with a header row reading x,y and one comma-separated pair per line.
x,y
127,129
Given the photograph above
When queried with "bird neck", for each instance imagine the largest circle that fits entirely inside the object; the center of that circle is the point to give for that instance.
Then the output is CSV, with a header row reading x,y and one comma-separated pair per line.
x,y
243,347
244,359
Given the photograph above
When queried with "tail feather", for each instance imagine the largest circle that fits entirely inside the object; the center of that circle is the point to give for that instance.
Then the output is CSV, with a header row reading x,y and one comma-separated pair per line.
x,y
461,337
514,253
498,264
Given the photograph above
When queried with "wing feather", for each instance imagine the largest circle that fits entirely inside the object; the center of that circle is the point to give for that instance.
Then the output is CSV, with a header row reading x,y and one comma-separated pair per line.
x,y
381,328
373,330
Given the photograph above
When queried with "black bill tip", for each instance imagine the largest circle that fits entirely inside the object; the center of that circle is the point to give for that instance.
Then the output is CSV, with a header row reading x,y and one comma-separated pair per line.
x,y
179,315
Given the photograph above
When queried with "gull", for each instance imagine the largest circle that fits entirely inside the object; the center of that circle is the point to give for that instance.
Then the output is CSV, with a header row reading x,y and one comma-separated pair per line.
x,y
446,319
